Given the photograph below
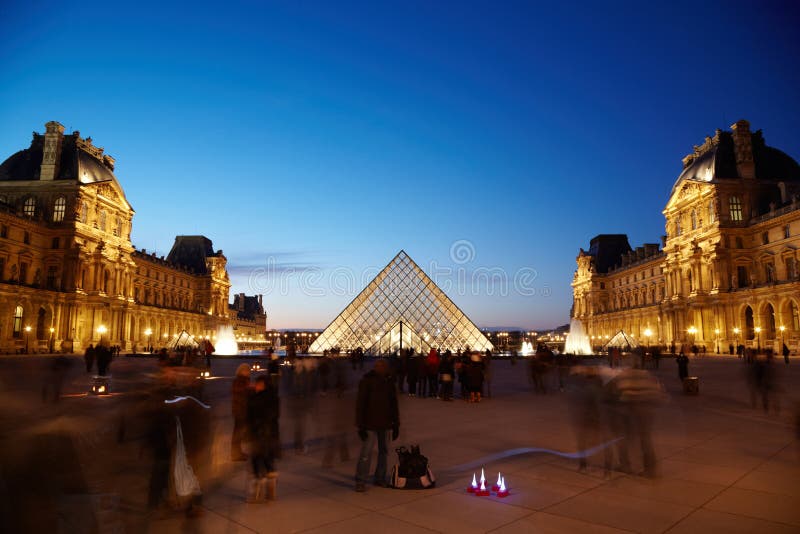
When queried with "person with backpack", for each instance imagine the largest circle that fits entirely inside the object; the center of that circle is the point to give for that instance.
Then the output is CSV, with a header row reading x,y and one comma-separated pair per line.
x,y
377,414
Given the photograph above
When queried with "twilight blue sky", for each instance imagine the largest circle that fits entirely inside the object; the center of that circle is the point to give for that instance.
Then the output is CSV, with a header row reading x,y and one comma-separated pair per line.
x,y
312,141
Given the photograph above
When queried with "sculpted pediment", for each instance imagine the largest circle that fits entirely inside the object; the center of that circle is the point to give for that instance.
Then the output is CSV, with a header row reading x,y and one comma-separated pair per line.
x,y
688,189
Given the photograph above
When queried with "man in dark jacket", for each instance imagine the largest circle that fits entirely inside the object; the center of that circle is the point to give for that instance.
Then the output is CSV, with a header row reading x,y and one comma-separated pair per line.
x,y
376,415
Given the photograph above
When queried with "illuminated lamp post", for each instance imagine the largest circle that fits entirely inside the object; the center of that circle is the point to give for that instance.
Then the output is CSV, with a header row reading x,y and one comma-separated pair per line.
x,y
736,337
102,330
758,332
647,334
52,340
27,336
148,332
782,329
692,332
716,335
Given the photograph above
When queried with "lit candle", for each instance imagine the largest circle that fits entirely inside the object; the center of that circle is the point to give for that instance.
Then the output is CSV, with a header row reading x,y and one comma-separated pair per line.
x,y
502,491
472,488
497,485
482,492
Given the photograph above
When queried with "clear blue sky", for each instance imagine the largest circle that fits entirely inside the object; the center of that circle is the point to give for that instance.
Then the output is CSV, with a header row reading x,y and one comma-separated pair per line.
x,y
321,139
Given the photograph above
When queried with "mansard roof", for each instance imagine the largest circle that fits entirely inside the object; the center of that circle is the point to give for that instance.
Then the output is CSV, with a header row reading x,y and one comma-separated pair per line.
x,y
191,251
715,160
80,160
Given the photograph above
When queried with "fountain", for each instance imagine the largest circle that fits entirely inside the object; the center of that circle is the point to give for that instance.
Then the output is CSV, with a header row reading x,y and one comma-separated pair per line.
x,y
225,344
527,348
577,341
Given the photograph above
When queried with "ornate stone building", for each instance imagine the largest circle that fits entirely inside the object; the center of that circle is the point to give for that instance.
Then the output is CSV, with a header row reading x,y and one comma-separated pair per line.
x,y
727,270
69,274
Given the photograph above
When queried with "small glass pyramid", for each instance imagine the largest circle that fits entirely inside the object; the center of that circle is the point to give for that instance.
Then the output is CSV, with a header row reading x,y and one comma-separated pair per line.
x,y
401,308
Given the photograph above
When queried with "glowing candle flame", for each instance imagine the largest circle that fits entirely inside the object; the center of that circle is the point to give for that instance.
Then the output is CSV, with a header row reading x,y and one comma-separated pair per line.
x,y
502,484
483,478
499,478
483,486
474,482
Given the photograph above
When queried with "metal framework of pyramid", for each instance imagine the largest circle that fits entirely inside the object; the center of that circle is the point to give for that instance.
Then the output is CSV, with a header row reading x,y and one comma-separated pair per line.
x,y
401,308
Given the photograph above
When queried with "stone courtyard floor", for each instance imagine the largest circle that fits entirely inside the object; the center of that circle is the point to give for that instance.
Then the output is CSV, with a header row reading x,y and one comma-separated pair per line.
x,y
724,466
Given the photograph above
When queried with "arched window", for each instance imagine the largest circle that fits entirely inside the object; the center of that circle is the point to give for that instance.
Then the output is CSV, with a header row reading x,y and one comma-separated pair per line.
x,y
694,220
59,208
29,207
102,223
17,328
735,208
770,320
749,324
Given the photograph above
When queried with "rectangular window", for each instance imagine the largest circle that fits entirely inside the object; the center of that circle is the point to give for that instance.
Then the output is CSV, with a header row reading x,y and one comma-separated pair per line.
x,y
741,275
735,208
787,232
26,238
23,273
4,231
52,277
56,243
765,238
739,243
602,285
17,327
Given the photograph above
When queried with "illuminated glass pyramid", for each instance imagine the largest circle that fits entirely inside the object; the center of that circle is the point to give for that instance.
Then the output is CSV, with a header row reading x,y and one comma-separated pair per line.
x,y
401,308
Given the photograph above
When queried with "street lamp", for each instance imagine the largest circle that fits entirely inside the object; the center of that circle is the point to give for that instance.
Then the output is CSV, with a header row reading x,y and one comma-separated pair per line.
x,y
27,333
148,333
692,331
647,334
758,331
52,341
716,334
102,330
782,329
736,337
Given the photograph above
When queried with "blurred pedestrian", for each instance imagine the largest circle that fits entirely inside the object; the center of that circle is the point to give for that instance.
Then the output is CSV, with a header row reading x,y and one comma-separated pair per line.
x,y
103,353
446,371
88,357
240,391
340,420
636,393
683,365
377,414
785,351
54,381
586,393
475,377
432,363
263,413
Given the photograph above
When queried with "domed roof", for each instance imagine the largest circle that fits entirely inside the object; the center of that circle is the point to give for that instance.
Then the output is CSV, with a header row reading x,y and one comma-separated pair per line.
x,y
715,160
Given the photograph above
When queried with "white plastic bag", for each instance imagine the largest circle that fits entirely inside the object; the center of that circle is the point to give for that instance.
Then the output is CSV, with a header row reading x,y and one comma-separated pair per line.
x,y
186,483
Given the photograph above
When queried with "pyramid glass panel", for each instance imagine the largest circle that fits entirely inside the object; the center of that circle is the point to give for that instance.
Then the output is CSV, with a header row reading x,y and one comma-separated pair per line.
x,y
401,306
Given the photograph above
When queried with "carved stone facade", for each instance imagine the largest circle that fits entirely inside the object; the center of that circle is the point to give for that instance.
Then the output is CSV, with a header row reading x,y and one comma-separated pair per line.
x,y
729,269
69,274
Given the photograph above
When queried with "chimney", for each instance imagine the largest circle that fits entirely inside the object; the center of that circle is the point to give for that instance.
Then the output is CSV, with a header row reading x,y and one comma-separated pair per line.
x,y
54,133
743,147
261,301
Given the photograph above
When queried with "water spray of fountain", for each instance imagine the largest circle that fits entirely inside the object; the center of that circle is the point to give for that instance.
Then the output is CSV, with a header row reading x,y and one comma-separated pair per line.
x,y
577,341
225,344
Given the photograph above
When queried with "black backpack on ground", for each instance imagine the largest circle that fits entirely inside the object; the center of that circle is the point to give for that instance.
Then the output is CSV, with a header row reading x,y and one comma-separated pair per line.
x,y
412,470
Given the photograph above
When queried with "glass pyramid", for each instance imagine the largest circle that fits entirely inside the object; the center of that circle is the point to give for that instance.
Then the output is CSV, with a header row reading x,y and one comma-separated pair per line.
x,y
401,308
